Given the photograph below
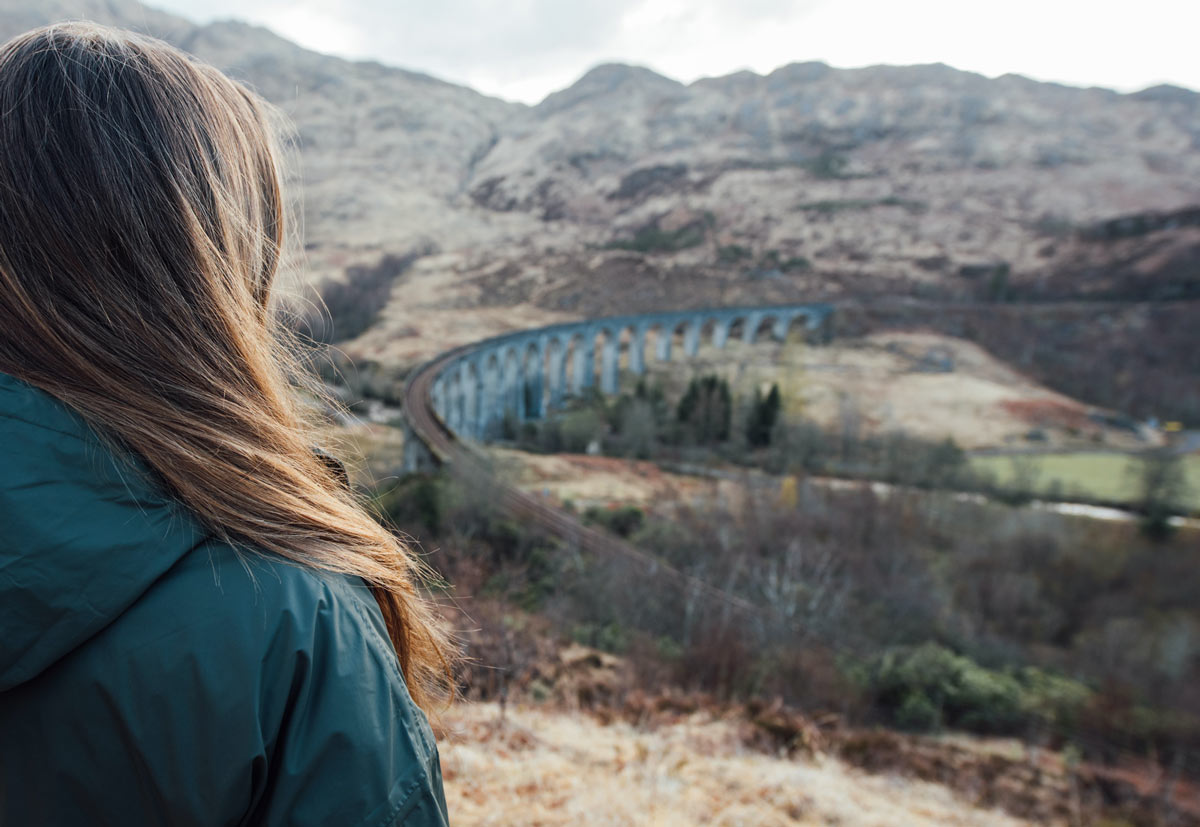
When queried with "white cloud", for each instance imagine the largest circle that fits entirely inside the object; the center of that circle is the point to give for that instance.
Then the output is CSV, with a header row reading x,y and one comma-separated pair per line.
x,y
524,49
306,25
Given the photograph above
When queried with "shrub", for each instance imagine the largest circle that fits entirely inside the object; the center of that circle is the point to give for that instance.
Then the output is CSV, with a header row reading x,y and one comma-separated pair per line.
x,y
510,426
733,252
608,637
580,428
651,239
918,713
649,179
623,521
910,461
985,700
928,686
636,424
802,446
1053,701
827,165
547,436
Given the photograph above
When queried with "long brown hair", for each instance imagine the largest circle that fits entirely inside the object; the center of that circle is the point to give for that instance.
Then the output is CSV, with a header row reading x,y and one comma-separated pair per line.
x,y
141,227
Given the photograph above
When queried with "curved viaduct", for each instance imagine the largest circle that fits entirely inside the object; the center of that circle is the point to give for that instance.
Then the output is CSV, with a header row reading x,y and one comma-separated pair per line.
x,y
528,373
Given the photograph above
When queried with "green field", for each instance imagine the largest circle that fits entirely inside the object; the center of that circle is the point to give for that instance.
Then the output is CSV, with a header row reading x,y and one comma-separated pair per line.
x,y
1085,475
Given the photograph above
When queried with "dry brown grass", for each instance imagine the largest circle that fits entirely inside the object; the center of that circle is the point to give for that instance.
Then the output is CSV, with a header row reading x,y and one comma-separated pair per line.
x,y
595,480
538,767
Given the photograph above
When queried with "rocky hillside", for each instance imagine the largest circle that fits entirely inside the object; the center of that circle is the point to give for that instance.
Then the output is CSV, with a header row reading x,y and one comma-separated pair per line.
x,y
629,187
852,180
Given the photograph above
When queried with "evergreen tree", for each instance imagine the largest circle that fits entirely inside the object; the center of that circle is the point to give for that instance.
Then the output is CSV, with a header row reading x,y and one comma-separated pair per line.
x,y
764,413
706,409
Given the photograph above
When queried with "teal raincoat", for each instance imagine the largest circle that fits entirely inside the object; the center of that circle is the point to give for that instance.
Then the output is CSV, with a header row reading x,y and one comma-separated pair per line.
x,y
153,675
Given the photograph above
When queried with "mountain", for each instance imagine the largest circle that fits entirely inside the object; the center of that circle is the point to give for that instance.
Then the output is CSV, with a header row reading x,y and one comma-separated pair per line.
x,y
885,175
382,152
629,188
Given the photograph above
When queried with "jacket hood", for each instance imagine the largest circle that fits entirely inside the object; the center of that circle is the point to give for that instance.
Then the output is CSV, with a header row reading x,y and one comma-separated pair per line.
x,y
83,532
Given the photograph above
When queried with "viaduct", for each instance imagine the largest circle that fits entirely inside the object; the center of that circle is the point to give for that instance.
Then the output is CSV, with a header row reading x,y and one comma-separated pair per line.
x,y
526,374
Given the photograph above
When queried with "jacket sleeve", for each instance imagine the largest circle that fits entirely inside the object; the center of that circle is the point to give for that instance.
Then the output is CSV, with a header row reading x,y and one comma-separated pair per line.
x,y
351,748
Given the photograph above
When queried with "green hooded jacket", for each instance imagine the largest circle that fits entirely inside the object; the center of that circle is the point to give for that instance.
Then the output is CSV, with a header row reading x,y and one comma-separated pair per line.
x,y
151,674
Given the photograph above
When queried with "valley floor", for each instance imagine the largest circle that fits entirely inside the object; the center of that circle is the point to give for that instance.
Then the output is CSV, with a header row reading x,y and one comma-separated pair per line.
x,y
529,766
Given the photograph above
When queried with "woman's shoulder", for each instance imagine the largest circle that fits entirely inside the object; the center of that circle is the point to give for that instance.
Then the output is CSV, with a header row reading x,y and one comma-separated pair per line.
x,y
251,595
226,597
257,624
244,682
310,647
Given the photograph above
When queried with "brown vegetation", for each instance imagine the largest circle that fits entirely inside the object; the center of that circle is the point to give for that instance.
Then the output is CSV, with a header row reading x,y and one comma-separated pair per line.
x,y
481,745
534,765
915,610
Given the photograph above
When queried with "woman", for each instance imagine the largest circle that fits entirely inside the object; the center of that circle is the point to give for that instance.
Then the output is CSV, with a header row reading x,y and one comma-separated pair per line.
x,y
200,624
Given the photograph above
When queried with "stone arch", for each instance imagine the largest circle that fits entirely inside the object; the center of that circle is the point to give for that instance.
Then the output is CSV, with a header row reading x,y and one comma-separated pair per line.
x,y
490,404
583,360
556,370
679,333
793,321
707,325
533,373
720,330
637,347
454,400
608,340
512,399
470,397
757,324
663,334
691,335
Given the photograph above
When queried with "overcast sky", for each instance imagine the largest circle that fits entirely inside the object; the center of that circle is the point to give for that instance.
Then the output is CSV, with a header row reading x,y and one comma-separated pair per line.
x,y
524,49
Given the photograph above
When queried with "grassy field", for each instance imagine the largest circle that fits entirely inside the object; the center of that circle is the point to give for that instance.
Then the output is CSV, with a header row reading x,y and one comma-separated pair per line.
x,y
1086,475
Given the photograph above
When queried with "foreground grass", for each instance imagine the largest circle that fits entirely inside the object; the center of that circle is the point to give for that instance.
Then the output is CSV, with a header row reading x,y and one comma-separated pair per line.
x,y
550,768
1087,475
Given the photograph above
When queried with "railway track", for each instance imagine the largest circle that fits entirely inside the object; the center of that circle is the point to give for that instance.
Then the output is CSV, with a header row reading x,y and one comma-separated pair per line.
x,y
468,459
